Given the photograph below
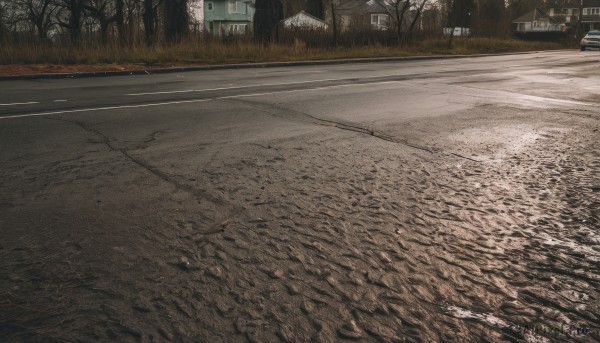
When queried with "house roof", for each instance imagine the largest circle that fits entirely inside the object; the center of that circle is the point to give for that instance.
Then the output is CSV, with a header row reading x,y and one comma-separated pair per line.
x,y
377,6
561,19
364,6
536,14
576,4
305,14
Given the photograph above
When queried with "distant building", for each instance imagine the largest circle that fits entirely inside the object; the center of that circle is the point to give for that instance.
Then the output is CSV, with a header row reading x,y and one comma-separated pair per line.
x,y
537,20
304,20
228,17
561,19
364,13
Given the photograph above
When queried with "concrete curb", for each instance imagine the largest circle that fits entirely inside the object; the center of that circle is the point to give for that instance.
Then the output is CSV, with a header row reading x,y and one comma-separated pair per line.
x,y
151,71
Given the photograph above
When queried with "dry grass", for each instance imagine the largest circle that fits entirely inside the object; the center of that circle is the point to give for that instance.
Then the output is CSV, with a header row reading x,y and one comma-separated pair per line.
x,y
213,51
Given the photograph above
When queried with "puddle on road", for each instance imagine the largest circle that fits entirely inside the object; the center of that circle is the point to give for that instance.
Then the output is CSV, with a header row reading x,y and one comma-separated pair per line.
x,y
495,143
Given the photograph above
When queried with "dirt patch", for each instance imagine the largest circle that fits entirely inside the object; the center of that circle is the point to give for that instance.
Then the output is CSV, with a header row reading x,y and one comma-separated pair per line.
x,y
34,69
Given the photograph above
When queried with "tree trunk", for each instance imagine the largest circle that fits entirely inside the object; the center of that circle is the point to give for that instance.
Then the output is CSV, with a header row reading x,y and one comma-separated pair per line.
x,y
176,20
400,18
104,31
149,28
266,20
74,25
334,24
120,19
414,21
39,25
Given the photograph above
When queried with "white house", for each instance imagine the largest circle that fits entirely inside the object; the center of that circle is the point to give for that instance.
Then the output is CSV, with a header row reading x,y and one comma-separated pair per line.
x,y
561,18
537,20
304,20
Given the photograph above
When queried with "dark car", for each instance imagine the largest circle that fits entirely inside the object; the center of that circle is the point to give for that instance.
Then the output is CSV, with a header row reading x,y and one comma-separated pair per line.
x,y
591,40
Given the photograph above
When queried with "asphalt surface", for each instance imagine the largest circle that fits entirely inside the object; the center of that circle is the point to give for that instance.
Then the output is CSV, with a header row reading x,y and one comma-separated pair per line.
x,y
437,200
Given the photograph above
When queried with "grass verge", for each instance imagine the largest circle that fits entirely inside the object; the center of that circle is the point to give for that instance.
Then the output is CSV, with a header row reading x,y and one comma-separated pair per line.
x,y
207,52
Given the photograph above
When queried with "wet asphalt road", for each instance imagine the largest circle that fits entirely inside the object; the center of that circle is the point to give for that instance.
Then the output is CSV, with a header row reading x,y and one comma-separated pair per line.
x,y
446,200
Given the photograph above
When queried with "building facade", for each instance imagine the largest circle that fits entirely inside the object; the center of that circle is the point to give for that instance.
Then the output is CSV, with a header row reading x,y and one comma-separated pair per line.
x,y
228,17
561,19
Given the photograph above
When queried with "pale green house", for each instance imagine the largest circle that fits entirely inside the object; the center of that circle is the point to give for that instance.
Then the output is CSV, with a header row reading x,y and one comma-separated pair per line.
x,y
228,17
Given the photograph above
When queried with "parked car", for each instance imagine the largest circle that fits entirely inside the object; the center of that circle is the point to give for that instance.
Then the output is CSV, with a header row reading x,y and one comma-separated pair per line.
x,y
591,40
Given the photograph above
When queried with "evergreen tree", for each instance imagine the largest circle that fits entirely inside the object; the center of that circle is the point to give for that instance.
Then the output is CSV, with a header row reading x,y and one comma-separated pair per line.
x,y
266,20
461,13
490,19
176,19
315,8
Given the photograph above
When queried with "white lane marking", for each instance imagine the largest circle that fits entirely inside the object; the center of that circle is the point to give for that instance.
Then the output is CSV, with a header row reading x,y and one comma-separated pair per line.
x,y
429,87
514,97
264,85
304,90
102,109
21,103
229,88
172,92
93,109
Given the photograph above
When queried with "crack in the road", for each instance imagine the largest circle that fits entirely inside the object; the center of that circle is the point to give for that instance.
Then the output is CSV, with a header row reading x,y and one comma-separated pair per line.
x,y
332,123
197,193
344,126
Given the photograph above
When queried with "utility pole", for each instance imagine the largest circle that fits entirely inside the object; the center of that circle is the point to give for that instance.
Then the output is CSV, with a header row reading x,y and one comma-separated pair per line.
x,y
580,24
334,22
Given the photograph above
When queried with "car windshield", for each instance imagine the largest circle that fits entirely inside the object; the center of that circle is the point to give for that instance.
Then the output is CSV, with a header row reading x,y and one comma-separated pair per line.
x,y
594,33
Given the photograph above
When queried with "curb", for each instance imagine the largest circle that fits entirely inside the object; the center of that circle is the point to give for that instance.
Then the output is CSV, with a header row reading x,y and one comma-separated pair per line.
x,y
154,71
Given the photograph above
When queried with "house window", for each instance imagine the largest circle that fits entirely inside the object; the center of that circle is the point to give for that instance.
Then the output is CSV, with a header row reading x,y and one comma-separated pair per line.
x,y
236,7
238,29
379,21
209,6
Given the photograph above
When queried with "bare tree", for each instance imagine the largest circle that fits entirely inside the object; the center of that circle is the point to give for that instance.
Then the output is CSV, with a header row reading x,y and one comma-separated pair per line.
x,y
70,16
120,20
131,17
104,12
150,16
419,6
39,13
403,11
2,21
399,9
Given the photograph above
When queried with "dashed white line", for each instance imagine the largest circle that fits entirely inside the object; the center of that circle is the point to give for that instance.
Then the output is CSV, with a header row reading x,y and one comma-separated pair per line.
x,y
304,90
261,85
263,94
230,88
20,103
93,109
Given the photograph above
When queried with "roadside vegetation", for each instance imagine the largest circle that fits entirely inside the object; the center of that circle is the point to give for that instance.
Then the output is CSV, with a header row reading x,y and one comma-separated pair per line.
x,y
134,34
207,50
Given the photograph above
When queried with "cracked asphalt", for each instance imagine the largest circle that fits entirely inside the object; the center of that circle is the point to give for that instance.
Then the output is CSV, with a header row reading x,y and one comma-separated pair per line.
x,y
419,201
